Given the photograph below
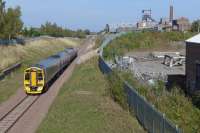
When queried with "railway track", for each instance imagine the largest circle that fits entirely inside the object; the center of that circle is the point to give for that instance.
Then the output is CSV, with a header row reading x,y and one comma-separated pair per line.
x,y
17,114
10,118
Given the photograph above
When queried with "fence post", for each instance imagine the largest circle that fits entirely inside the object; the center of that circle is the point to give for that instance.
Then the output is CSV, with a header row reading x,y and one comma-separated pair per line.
x,y
163,128
144,113
153,126
177,129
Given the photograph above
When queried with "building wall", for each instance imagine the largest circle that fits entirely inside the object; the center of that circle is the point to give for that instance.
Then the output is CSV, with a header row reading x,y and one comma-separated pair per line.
x,y
183,24
192,58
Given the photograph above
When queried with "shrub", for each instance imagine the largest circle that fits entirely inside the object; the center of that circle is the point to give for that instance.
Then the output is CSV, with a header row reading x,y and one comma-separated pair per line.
x,y
177,107
142,40
116,89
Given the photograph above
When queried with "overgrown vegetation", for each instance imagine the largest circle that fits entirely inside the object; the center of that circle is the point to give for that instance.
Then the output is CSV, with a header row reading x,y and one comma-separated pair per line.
x,y
195,26
116,89
83,106
177,107
143,40
52,29
28,54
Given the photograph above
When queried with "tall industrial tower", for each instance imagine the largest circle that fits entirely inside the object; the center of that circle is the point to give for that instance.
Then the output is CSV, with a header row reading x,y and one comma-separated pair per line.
x,y
171,14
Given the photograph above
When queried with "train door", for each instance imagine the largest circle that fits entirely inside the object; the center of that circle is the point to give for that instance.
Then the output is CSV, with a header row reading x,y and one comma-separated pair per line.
x,y
33,78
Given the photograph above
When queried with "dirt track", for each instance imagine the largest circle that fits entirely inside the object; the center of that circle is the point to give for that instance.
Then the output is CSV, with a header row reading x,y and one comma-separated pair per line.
x,y
34,116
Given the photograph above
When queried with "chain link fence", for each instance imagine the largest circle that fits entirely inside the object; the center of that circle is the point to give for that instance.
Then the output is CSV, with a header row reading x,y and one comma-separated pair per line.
x,y
149,117
12,42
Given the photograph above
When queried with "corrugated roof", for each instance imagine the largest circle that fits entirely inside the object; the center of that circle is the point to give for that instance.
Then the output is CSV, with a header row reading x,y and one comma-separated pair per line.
x,y
194,39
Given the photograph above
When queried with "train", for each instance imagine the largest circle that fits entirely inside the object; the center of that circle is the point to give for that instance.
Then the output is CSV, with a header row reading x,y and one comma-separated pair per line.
x,y
39,77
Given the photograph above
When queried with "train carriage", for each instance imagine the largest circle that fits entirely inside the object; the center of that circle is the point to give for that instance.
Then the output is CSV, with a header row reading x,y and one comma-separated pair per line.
x,y
38,77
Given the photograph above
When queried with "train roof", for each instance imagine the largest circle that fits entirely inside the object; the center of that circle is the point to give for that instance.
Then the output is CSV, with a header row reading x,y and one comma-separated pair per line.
x,y
52,60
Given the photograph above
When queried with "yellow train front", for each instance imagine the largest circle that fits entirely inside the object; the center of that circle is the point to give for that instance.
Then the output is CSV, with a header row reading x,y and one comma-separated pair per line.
x,y
39,77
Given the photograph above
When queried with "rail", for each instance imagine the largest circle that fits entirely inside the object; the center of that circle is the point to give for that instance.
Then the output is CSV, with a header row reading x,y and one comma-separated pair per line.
x,y
10,118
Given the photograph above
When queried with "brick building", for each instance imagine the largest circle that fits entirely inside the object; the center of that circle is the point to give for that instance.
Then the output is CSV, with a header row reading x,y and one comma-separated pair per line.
x,y
181,24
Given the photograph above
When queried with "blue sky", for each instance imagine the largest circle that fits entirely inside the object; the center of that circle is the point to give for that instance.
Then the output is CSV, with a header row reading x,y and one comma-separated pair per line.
x,y
94,14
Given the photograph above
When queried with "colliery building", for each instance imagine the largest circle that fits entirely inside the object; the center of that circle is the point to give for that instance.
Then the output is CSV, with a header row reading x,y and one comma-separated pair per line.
x,y
181,24
193,64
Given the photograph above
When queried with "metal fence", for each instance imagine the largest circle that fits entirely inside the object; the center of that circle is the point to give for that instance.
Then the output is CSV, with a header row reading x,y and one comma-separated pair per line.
x,y
149,117
12,42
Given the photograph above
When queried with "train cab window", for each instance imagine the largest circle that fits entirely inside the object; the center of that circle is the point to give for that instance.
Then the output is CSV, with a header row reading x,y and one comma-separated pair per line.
x,y
27,76
39,76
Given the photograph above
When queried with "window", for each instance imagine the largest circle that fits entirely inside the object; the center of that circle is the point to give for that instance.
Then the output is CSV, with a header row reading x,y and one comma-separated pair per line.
x,y
39,76
27,76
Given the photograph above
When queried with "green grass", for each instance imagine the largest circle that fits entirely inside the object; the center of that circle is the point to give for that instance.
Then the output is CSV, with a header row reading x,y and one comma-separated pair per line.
x,y
98,41
116,89
28,54
143,41
83,105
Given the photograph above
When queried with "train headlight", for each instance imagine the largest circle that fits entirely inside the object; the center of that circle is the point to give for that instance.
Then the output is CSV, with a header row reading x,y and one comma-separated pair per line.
x,y
27,85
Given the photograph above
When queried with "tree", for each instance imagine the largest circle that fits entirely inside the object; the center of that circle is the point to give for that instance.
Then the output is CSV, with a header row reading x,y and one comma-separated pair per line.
x,y
31,32
54,30
87,32
2,15
2,11
10,21
195,26
13,23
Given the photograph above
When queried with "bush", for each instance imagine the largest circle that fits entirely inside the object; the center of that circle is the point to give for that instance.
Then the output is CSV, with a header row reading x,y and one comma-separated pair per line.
x,y
116,89
177,107
52,29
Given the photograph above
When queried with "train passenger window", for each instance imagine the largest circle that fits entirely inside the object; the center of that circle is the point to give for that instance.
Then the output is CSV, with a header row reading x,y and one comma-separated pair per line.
x,y
27,76
39,76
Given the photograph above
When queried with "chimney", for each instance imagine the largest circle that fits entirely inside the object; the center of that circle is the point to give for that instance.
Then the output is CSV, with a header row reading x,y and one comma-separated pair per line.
x,y
171,17
171,14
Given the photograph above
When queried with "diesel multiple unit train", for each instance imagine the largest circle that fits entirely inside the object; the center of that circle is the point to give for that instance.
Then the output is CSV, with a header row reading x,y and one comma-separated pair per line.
x,y
38,77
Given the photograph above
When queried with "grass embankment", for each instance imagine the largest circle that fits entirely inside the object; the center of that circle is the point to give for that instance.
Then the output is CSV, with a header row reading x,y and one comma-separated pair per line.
x,y
28,54
98,41
15,53
83,106
174,104
144,41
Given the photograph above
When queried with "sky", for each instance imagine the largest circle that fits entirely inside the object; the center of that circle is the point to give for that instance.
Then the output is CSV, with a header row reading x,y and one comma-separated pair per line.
x,y
95,14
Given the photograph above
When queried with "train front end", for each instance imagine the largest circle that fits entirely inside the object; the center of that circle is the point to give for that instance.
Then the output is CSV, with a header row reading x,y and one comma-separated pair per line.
x,y
34,81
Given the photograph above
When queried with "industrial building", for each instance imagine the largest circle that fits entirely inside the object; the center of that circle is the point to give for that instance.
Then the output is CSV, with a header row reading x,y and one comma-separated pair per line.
x,y
170,24
193,64
147,21
181,24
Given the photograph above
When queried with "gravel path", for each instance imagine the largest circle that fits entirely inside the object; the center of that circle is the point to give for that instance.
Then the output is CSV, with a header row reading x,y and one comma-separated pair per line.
x,y
34,116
